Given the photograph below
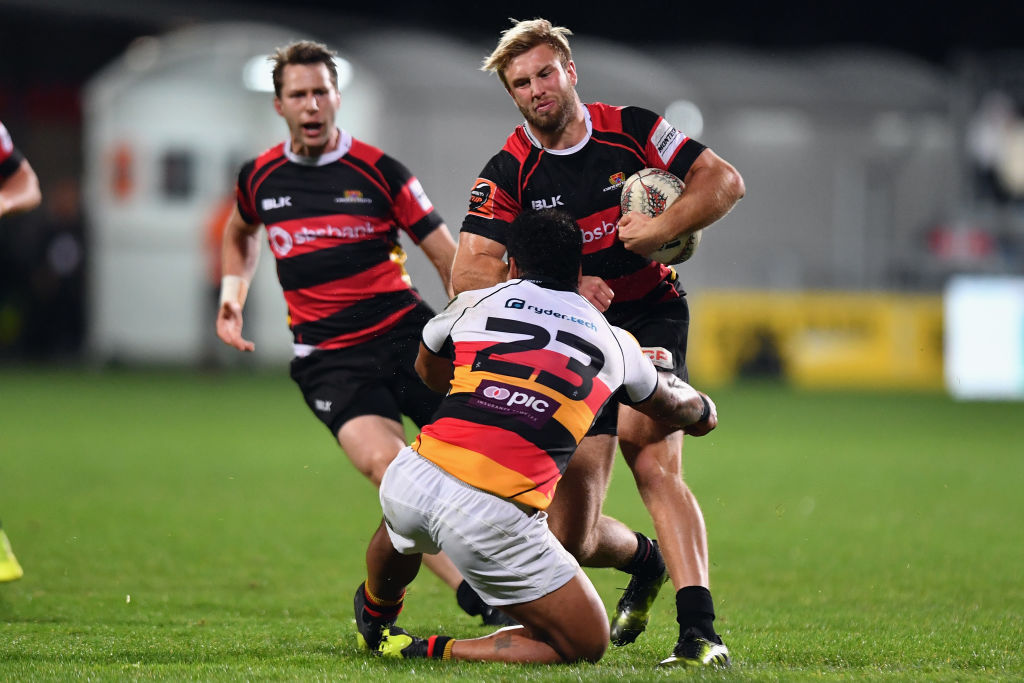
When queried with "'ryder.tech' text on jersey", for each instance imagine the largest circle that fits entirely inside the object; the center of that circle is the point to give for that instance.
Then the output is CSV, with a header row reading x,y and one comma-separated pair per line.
x,y
534,364
586,181
332,223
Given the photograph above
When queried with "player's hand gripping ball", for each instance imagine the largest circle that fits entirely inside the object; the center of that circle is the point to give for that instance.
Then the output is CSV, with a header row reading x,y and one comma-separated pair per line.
x,y
651,191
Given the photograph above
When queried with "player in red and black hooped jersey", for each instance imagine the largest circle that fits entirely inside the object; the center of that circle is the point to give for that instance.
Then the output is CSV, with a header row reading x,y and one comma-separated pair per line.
x,y
333,208
333,225
586,180
575,156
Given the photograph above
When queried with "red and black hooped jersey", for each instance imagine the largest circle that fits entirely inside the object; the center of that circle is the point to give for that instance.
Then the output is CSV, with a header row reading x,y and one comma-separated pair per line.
x,y
10,157
586,180
533,366
332,223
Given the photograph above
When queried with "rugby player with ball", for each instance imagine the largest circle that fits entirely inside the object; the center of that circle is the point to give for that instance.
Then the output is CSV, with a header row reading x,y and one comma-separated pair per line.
x,y
577,157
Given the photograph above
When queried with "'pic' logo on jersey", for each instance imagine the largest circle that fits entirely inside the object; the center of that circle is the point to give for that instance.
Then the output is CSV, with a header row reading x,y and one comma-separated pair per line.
x,y
530,407
515,303
481,198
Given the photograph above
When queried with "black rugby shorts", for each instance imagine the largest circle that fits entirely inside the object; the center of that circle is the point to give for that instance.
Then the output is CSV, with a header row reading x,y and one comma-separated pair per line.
x,y
661,330
374,378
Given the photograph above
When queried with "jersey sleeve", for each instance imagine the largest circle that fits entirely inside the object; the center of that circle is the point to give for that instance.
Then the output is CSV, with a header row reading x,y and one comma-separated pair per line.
x,y
243,194
10,157
436,335
493,199
640,377
413,211
665,146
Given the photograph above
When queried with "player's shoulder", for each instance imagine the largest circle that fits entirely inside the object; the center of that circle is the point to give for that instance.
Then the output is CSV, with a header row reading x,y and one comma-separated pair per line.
x,y
517,145
475,297
503,167
377,163
367,153
625,118
267,156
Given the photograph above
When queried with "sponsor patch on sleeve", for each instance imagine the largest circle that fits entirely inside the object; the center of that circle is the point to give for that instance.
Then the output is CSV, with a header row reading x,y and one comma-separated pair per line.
x,y
661,357
421,197
481,198
666,140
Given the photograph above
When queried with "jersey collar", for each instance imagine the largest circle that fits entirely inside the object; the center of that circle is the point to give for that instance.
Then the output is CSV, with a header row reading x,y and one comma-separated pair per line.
x,y
546,282
344,145
569,150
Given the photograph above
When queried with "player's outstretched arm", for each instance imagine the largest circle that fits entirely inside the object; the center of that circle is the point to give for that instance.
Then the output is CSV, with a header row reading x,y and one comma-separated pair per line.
x,y
478,263
20,192
440,249
240,254
678,404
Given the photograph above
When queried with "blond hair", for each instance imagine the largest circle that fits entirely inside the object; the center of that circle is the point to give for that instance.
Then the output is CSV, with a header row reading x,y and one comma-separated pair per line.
x,y
523,37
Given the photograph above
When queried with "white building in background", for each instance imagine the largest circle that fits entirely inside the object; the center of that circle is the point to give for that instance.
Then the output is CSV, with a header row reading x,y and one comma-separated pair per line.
x,y
847,158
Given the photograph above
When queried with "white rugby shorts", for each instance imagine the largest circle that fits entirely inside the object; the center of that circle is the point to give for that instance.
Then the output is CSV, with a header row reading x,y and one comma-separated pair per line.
x,y
507,555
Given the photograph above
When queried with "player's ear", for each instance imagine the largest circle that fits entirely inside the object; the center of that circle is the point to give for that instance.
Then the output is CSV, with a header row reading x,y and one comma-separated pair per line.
x,y
277,106
570,69
513,269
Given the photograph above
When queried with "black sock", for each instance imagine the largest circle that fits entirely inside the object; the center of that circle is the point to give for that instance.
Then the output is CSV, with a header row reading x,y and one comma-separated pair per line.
x,y
696,610
471,603
439,647
381,609
646,560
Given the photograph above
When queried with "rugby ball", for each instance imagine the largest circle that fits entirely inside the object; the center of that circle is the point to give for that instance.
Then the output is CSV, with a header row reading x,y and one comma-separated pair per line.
x,y
651,191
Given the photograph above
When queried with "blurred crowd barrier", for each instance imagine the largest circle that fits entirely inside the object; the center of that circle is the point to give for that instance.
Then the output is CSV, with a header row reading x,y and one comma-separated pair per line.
x,y
817,340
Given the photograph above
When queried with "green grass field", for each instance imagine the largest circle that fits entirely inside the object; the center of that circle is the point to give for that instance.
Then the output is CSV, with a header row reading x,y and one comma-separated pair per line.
x,y
179,526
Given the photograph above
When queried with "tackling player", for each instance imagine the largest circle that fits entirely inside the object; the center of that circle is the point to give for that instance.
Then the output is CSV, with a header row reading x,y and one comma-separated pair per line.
x,y
333,207
19,192
527,364
577,156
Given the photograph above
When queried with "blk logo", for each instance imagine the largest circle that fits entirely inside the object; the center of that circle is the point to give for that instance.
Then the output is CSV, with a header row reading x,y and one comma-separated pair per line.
x,y
551,203
279,203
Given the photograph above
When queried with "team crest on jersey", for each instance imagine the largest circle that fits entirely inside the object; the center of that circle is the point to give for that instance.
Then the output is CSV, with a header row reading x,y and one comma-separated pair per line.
x,y
616,180
531,407
481,198
353,197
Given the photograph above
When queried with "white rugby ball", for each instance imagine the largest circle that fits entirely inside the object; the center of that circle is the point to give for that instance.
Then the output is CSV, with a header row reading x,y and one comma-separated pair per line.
x,y
651,191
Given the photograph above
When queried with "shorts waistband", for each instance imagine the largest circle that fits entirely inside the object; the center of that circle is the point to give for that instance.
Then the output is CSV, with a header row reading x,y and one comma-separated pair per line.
x,y
527,509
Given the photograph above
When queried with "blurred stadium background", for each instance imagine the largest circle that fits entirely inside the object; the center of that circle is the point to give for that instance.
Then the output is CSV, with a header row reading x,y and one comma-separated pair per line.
x,y
881,243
